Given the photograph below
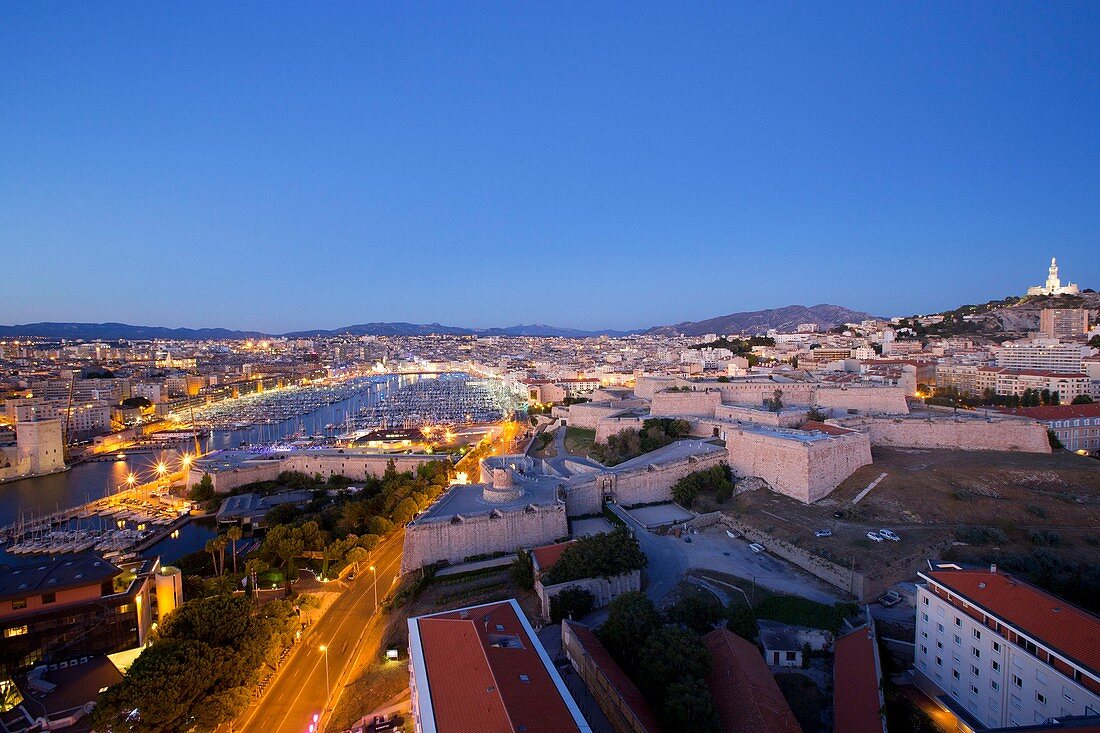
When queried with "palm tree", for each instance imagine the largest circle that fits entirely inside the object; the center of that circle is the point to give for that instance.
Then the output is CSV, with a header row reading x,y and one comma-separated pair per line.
x,y
220,543
234,533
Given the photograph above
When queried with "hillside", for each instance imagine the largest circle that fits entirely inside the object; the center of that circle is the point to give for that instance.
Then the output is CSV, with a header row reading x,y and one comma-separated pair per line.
x,y
997,320
758,322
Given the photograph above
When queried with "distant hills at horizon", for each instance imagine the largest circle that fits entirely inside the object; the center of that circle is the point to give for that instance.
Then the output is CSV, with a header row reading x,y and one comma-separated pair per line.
x,y
755,322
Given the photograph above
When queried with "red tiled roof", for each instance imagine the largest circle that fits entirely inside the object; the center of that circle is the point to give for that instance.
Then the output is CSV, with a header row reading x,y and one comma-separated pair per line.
x,y
856,701
615,676
1054,412
746,694
475,681
1054,622
824,427
547,556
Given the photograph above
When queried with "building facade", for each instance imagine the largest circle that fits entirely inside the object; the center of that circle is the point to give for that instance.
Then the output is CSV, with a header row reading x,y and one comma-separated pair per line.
x,y
1000,652
1063,322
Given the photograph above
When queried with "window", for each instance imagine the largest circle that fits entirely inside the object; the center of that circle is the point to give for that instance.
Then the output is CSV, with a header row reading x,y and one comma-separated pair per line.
x,y
18,604
977,634
1017,681
974,689
958,640
923,649
976,652
925,599
14,631
924,617
1041,698
974,670
939,662
997,646
995,665
940,629
939,645
48,598
994,684
924,634
955,674
1014,700
790,656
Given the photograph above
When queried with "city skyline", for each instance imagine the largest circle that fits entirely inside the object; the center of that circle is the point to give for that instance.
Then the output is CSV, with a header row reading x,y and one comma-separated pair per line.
x,y
210,166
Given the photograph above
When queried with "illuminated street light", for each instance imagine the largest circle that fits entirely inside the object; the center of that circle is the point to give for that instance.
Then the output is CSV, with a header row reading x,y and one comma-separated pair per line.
x,y
328,690
374,572
162,468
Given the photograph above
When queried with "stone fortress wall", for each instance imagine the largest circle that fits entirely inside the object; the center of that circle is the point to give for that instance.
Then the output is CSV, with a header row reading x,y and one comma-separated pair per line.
x,y
356,466
954,432
804,466
455,538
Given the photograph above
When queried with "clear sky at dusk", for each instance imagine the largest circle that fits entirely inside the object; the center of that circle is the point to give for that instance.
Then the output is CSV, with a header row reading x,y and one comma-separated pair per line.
x,y
297,165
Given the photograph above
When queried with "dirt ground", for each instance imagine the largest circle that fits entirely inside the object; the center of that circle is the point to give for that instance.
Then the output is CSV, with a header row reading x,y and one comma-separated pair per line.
x,y
927,496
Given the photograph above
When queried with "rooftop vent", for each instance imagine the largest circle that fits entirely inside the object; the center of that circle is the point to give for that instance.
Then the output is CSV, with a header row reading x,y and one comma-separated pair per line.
x,y
993,569
524,678
982,584
1057,609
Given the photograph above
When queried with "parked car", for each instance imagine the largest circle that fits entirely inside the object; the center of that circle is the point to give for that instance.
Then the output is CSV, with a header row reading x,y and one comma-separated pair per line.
x,y
874,537
890,598
889,535
687,539
823,533
732,535
756,547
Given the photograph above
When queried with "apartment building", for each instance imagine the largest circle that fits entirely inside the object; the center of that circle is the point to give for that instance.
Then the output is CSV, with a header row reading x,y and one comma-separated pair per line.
x,y
997,651
1005,381
1077,426
1045,354
1063,322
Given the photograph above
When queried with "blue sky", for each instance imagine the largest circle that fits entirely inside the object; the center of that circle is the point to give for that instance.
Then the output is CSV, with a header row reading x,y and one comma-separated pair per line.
x,y
296,165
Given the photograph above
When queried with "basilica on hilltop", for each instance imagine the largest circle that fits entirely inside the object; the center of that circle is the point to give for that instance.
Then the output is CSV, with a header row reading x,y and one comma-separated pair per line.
x,y
1053,285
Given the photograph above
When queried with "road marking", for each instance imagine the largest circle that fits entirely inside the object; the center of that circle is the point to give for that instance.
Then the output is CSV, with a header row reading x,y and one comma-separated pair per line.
x,y
333,635
867,491
257,706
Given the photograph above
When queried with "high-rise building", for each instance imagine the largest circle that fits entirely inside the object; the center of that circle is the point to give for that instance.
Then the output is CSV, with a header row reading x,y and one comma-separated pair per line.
x,y
1063,322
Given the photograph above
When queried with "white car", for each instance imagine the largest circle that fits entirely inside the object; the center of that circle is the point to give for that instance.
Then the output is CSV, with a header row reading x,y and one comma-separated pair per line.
x,y
756,547
889,535
874,537
823,533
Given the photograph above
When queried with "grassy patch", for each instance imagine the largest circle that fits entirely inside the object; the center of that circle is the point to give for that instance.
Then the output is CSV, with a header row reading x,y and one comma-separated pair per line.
x,y
375,685
804,612
579,441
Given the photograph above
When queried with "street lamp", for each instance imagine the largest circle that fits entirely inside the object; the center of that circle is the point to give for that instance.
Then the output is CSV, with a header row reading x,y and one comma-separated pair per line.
x,y
328,690
374,572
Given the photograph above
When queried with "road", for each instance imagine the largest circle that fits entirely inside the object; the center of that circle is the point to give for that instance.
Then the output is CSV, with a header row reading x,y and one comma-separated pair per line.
x,y
298,691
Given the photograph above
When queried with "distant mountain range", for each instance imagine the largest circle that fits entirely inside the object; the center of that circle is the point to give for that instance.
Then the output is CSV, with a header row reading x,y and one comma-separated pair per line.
x,y
752,322
758,322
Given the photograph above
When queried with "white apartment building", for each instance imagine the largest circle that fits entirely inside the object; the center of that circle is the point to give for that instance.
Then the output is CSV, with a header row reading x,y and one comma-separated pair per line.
x,y
1063,322
1004,381
87,418
999,652
1046,354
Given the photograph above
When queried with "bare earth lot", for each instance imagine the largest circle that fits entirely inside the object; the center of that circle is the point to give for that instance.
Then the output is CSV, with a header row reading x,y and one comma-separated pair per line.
x,y
927,496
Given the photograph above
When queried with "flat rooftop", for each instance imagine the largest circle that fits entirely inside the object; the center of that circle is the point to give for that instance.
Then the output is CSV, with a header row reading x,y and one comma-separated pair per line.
x,y
49,574
467,499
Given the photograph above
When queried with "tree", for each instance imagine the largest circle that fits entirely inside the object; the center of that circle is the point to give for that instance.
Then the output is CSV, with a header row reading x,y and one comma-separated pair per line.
x,y
138,402
234,533
285,544
699,611
1082,399
669,654
404,512
572,603
1054,440
523,570
631,618
602,555
688,705
357,555
159,690
741,621
775,404
203,490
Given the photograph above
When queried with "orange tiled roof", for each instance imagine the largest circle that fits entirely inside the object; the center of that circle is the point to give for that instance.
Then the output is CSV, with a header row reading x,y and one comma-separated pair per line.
x,y
856,703
547,556
485,675
746,694
1056,623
